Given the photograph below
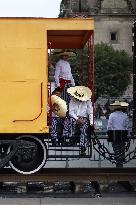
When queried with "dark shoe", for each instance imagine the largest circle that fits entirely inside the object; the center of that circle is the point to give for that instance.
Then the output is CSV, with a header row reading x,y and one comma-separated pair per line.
x,y
54,143
60,140
65,140
71,142
97,195
82,152
119,165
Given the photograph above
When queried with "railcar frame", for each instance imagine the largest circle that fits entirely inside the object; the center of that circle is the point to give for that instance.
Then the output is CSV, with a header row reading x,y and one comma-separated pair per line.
x,y
24,130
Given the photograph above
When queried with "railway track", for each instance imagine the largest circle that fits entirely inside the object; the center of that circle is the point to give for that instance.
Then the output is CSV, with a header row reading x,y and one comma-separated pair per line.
x,y
72,174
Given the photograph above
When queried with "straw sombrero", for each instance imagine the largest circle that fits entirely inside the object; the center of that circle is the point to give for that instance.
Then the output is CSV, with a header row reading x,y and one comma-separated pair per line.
x,y
64,52
118,104
81,93
59,106
124,104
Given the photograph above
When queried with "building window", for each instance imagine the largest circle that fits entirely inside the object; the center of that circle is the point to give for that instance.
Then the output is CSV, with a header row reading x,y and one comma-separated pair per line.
x,y
113,37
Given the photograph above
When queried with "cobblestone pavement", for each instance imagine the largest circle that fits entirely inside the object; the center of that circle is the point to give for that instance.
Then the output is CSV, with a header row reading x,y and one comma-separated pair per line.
x,y
69,201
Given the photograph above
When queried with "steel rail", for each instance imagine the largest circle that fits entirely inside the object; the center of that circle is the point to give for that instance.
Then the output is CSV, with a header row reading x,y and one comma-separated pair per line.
x,y
72,174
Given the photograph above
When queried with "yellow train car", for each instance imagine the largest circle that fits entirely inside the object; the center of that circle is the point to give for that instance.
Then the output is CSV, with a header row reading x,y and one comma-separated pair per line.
x,y
24,44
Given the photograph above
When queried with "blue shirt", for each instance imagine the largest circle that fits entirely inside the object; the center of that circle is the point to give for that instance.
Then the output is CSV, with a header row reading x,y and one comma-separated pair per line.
x,y
118,120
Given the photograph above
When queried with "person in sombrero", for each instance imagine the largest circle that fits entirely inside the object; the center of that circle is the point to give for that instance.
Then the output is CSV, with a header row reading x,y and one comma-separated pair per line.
x,y
117,130
63,74
79,114
58,112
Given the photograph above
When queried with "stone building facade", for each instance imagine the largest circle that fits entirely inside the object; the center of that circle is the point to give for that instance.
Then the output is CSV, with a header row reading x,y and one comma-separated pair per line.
x,y
113,19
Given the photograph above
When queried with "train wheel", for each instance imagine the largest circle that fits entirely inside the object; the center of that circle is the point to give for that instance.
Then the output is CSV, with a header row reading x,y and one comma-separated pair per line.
x,y
32,165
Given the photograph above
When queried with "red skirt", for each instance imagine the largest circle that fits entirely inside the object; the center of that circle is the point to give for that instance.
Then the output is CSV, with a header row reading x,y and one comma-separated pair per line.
x,y
63,82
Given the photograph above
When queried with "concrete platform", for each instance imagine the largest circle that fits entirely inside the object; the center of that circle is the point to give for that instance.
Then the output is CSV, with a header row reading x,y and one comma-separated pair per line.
x,y
69,201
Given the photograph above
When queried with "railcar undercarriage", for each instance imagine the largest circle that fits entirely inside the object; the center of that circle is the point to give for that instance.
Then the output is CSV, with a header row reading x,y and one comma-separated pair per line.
x,y
28,154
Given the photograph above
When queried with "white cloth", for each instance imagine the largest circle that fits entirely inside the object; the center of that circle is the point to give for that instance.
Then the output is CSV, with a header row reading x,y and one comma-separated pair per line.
x,y
63,70
79,108
118,121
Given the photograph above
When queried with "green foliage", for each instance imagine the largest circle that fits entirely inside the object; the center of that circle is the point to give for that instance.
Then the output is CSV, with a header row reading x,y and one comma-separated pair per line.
x,y
112,71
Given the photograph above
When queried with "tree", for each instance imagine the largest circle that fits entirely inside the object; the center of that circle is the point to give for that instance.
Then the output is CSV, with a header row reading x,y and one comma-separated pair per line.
x,y
113,70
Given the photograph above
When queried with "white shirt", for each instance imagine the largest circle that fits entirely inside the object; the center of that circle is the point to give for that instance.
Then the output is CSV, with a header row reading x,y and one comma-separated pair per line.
x,y
79,108
63,70
118,121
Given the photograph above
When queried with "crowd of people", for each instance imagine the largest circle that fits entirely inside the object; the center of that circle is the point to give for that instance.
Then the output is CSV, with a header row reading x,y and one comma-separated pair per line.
x,y
76,111
77,98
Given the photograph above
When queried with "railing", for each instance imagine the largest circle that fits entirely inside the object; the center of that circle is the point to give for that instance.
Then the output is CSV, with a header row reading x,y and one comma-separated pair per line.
x,y
99,153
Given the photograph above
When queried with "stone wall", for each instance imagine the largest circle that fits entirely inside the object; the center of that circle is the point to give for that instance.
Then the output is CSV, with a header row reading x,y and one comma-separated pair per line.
x,y
122,27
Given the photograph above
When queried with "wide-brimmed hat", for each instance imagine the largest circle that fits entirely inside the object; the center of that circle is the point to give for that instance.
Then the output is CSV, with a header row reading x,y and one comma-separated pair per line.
x,y
81,93
64,52
118,104
60,104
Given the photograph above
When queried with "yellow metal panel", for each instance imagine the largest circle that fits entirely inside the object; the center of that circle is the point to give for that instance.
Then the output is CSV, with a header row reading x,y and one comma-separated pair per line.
x,y
23,100
22,64
22,50
21,34
50,23
71,24
24,104
23,77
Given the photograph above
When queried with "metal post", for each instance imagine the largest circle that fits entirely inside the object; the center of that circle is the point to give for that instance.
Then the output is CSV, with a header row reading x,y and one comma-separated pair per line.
x,y
92,71
134,77
67,163
82,66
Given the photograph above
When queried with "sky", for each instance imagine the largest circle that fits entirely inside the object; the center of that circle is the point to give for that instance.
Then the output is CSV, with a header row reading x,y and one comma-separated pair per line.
x,y
30,8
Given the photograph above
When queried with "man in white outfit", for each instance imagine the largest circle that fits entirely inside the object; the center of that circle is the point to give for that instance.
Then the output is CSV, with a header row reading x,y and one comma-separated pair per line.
x,y
117,130
79,114
63,75
57,112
